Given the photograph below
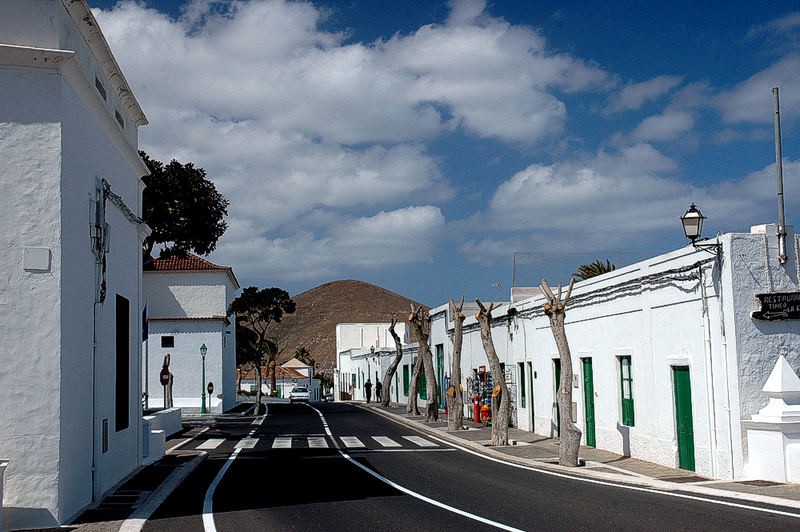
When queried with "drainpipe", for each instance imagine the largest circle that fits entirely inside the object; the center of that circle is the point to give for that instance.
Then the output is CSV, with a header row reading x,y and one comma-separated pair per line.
x,y
724,339
712,421
98,236
779,168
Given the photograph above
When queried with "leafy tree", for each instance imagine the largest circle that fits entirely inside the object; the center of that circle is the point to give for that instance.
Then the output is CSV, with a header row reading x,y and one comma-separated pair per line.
x,y
598,267
257,310
182,208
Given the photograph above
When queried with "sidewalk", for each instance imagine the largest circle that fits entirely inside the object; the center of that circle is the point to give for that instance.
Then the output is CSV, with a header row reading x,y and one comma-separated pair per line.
x,y
534,450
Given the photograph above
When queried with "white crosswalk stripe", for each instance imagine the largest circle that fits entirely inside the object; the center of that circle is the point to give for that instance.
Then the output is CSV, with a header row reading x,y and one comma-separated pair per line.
x,y
282,443
247,443
211,443
317,442
422,442
351,442
385,441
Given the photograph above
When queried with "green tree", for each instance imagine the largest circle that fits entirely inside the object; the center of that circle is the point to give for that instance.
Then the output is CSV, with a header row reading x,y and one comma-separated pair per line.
x,y
182,208
257,310
598,267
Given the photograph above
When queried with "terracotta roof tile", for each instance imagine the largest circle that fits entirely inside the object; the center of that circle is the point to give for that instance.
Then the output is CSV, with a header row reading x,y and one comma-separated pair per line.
x,y
184,263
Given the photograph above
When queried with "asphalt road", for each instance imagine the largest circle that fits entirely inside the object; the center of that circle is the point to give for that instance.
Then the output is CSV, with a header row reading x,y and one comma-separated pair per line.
x,y
290,475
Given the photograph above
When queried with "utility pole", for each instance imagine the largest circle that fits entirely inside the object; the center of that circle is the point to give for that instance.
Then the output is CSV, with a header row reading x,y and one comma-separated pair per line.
x,y
779,169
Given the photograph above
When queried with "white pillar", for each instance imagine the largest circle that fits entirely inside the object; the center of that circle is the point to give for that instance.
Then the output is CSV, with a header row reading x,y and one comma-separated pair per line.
x,y
773,435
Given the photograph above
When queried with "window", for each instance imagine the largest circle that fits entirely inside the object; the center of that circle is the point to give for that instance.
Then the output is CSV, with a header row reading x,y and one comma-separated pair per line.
x,y
100,88
167,341
123,358
119,119
626,383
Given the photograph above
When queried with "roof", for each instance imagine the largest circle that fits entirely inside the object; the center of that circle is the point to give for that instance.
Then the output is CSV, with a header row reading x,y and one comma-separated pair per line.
x,y
186,263
280,373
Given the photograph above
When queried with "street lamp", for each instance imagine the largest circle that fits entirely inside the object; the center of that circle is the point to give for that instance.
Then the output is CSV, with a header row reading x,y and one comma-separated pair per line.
x,y
203,351
692,221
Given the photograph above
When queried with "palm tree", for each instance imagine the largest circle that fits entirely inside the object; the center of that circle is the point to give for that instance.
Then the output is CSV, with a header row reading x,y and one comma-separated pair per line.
x,y
598,267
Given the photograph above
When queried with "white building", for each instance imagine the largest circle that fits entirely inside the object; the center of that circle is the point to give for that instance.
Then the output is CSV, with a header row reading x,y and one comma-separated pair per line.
x,y
70,416
667,356
187,301
365,351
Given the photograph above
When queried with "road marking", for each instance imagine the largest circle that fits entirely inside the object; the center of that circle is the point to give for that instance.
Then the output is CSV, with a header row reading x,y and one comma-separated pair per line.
x,y
419,440
428,450
211,443
247,443
187,440
351,442
282,443
622,486
208,501
259,420
385,442
317,442
408,491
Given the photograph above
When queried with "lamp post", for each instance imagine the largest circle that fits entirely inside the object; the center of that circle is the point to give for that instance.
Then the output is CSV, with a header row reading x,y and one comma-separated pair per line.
x,y
203,351
692,221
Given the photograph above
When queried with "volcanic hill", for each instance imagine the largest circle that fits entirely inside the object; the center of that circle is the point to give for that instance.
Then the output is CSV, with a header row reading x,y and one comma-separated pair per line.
x,y
313,323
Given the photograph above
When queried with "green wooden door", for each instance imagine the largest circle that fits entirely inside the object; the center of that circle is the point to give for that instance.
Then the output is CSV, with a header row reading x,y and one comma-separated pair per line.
x,y
557,366
440,372
405,379
588,400
683,417
423,385
530,387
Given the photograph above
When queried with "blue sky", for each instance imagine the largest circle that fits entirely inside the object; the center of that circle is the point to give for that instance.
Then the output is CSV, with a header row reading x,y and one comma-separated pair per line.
x,y
419,145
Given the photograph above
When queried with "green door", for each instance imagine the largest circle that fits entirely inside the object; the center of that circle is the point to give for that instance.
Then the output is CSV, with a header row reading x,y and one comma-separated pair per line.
x,y
440,372
405,379
683,417
530,387
557,365
423,383
588,400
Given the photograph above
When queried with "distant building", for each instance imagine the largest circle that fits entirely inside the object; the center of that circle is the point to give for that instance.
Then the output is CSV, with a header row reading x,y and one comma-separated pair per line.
x,y
70,414
187,301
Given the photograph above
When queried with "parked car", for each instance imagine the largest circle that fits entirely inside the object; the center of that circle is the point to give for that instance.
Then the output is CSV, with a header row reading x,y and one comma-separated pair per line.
x,y
299,393
327,397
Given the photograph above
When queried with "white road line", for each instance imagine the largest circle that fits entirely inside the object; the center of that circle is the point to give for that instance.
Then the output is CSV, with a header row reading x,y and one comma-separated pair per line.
x,y
408,491
385,442
317,442
208,501
187,440
419,440
622,486
282,443
351,442
211,443
258,421
247,443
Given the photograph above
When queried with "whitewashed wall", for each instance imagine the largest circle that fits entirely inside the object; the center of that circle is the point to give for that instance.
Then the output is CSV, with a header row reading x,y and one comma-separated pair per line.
x,y
659,322
57,137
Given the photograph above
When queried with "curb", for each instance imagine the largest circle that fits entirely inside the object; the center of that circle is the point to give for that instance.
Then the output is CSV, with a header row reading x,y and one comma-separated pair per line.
x,y
635,480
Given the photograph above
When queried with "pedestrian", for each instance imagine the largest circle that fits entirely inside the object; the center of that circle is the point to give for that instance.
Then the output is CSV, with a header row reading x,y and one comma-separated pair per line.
x,y
378,390
368,389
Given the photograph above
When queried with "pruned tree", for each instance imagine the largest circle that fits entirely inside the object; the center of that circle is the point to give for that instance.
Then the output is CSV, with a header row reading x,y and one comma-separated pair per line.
x,y
412,408
455,398
570,436
258,309
418,321
500,397
183,209
390,371
598,267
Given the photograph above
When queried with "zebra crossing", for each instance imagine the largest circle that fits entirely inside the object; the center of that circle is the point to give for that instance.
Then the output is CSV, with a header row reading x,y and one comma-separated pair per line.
x,y
320,441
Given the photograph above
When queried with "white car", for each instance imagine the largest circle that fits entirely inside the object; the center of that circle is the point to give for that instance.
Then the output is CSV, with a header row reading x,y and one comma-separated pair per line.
x,y
299,393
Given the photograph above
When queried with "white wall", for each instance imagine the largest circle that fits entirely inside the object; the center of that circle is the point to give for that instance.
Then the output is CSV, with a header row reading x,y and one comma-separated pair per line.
x,y
187,294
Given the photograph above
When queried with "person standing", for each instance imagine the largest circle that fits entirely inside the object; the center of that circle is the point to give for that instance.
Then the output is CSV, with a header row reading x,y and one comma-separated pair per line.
x,y
368,389
378,390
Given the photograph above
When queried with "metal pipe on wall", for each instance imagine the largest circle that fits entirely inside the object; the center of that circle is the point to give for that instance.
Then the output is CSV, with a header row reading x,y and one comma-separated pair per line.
x,y
779,169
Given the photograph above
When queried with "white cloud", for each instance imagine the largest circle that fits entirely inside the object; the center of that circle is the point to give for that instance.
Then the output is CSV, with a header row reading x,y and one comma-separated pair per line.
x,y
401,236
752,101
666,126
633,96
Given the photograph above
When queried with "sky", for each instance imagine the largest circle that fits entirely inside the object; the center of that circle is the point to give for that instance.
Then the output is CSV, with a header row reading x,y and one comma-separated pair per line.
x,y
428,147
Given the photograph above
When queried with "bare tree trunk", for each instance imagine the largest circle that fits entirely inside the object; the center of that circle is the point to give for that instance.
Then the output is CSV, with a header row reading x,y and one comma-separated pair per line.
x,y
390,371
500,397
570,437
417,322
257,409
455,397
412,409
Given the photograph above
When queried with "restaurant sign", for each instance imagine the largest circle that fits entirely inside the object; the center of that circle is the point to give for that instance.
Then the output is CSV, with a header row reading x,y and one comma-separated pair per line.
x,y
778,306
